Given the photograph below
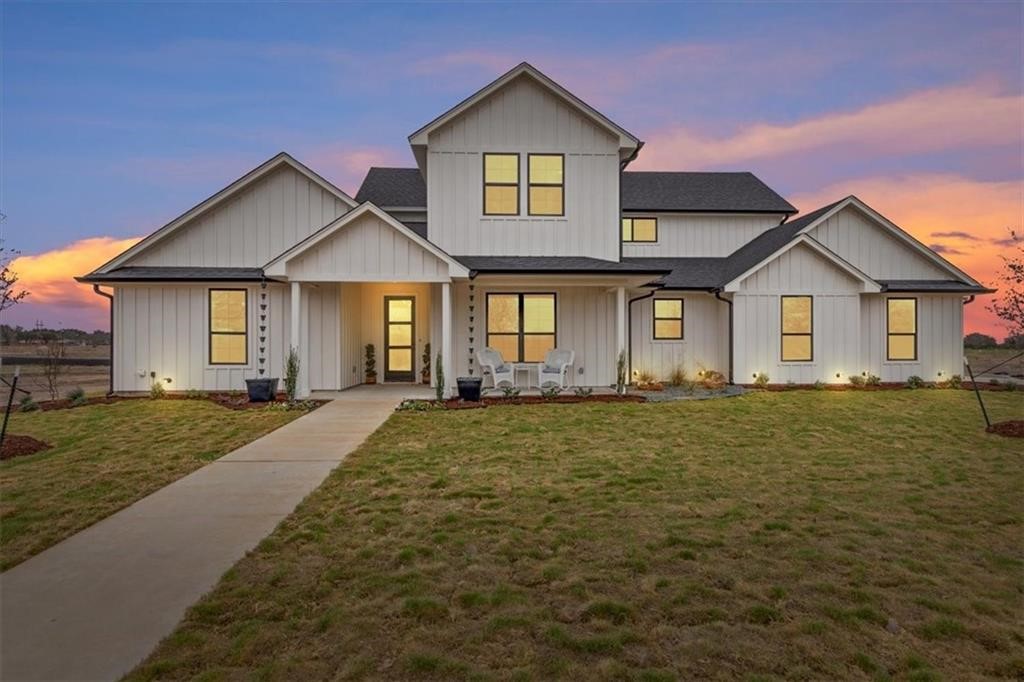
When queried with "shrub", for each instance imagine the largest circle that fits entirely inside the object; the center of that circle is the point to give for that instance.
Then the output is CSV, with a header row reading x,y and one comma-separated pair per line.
x,y
956,381
760,379
620,373
371,361
195,394
914,381
157,390
425,362
291,374
873,380
76,396
550,393
712,379
1011,386
26,404
645,377
410,405
439,379
509,392
977,340
677,377
790,385
857,381
819,385
583,391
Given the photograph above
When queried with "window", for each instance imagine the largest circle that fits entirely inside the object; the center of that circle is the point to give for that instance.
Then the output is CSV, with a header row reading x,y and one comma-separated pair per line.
x,y
668,319
901,327
501,184
797,329
547,184
229,341
521,326
639,229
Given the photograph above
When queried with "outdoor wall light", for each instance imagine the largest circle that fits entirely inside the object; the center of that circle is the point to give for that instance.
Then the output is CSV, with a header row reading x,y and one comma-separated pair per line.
x,y
837,375
167,379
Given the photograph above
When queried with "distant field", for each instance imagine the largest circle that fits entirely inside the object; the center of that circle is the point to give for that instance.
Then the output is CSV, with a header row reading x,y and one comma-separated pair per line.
x,y
34,350
984,358
93,378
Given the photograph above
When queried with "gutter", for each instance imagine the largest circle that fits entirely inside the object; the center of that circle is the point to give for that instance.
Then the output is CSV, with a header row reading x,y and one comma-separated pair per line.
x,y
109,297
629,333
718,295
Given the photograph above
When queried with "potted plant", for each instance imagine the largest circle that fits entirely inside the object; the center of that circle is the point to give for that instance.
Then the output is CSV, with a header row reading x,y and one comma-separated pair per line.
x,y
425,364
261,390
371,364
469,388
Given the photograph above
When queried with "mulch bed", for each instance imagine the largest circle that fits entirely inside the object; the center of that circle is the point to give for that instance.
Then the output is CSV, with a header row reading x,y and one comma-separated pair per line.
x,y
459,404
231,401
19,446
1012,429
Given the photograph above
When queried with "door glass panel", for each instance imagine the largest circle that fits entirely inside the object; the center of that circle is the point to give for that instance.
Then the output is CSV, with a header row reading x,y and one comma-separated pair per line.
x,y
536,346
399,359
506,344
538,313
399,334
400,310
502,313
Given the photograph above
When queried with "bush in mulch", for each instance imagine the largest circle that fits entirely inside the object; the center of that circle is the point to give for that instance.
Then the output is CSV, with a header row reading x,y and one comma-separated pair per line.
x,y
19,446
412,405
231,401
1012,429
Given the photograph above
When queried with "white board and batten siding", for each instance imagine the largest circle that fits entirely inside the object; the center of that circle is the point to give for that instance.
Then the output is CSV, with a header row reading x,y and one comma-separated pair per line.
x,y
872,249
367,250
757,308
703,347
524,118
939,338
250,229
699,234
585,324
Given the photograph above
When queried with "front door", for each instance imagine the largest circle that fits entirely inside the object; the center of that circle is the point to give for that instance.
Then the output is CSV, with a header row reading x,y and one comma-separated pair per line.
x,y
399,335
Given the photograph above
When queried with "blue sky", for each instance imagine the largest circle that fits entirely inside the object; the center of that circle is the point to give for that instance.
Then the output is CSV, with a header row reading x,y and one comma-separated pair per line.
x,y
119,116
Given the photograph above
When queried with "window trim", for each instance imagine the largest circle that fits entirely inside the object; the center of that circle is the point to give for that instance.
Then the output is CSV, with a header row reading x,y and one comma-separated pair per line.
x,y
530,184
522,333
484,185
632,231
889,334
681,318
783,334
210,332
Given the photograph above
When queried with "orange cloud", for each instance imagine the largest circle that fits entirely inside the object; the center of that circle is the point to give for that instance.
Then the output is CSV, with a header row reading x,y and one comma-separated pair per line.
x,y
49,276
956,117
969,219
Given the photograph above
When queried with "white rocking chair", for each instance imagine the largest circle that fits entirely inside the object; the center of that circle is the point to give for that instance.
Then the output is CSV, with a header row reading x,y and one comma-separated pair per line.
x,y
555,368
501,371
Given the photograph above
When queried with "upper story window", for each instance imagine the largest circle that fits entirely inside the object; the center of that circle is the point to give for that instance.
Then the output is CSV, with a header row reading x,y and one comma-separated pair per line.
x,y
797,329
901,328
501,184
668,319
547,184
229,327
639,229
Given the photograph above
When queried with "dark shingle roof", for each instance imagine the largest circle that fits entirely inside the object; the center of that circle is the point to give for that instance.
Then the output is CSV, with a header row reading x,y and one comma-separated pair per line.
x,y
556,264
701,273
147,273
393,187
931,285
688,191
418,228
641,191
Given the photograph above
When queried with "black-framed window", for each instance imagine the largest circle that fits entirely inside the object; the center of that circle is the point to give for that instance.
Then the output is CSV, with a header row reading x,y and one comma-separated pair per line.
x,y
639,229
229,327
546,179
901,328
797,328
668,319
501,184
521,327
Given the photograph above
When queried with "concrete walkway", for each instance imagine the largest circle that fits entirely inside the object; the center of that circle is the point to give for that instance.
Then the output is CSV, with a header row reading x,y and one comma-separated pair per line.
x,y
93,606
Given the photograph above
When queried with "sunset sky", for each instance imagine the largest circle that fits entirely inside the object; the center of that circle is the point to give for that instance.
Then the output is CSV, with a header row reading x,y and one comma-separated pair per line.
x,y
118,117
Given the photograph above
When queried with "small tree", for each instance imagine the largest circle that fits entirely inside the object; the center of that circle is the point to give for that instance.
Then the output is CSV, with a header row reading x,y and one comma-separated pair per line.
x,y
371,363
439,379
53,365
620,373
291,374
10,292
1009,307
425,363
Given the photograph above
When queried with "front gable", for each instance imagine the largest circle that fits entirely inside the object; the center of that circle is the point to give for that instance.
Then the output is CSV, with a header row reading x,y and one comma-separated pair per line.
x,y
803,268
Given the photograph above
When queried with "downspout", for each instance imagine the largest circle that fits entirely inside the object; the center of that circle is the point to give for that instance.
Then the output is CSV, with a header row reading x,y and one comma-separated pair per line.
x,y
718,295
109,297
629,333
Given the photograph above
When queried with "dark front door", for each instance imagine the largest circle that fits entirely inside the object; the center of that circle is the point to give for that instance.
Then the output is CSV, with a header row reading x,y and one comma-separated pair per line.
x,y
399,336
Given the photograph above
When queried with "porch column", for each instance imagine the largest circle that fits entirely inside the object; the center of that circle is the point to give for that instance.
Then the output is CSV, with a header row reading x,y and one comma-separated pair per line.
x,y
446,337
620,321
297,340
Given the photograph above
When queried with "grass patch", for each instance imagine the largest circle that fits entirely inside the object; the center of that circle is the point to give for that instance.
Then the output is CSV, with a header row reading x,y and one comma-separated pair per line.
x,y
768,536
107,456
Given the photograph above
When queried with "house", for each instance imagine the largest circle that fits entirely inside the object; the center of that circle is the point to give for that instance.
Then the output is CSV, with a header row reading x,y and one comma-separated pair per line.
x,y
522,229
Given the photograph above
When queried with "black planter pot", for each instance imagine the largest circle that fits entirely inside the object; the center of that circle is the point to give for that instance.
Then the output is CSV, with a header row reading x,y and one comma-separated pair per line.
x,y
469,388
261,390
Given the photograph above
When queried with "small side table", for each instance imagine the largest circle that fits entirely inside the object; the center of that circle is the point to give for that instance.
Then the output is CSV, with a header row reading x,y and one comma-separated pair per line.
x,y
523,367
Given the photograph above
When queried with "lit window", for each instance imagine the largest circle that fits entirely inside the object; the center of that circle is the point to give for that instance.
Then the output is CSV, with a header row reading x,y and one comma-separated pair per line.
x,y
639,229
668,319
229,344
547,184
521,326
901,328
797,329
501,184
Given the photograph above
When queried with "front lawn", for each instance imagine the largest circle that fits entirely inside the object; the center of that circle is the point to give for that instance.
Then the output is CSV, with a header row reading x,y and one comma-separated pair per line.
x,y
107,456
804,534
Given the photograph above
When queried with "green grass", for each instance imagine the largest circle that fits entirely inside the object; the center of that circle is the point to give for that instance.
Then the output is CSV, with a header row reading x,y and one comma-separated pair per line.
x,y
806,534
107,456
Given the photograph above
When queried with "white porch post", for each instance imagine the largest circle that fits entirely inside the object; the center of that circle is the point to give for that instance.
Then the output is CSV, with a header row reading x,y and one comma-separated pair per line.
x,y
446,337
620,321
297,340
